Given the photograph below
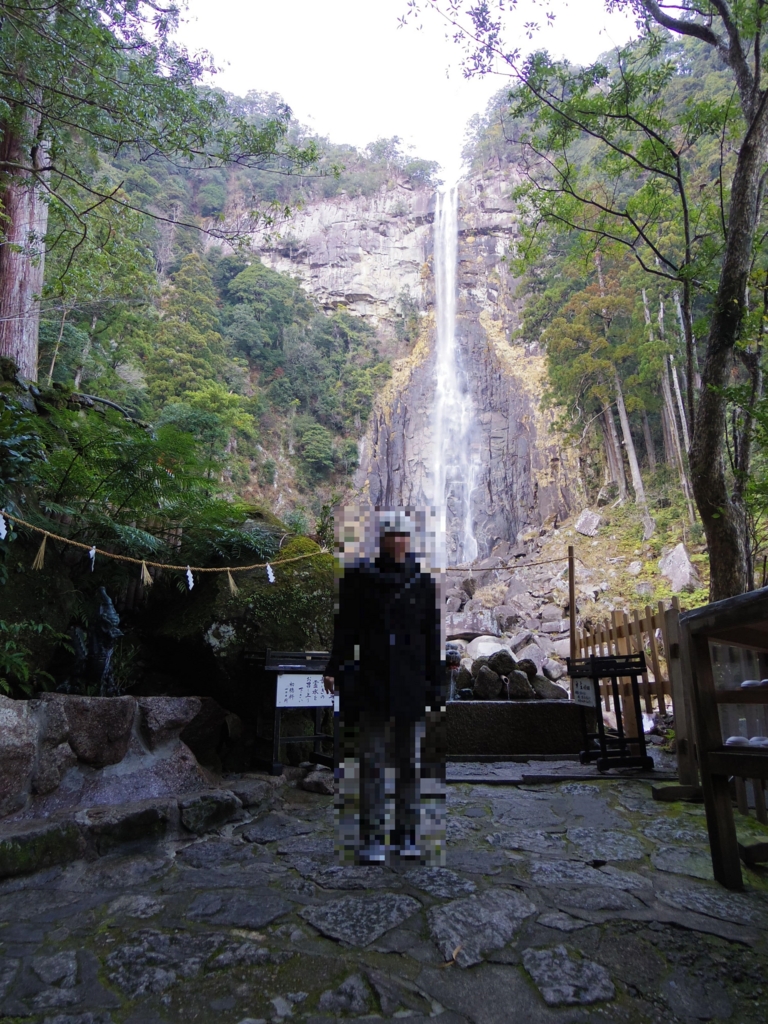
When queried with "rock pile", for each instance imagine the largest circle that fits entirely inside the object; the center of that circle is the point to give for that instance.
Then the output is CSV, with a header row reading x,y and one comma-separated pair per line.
x,y
490,669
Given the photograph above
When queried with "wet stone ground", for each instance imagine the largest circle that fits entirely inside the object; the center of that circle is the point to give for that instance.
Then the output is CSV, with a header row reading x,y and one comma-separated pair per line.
x,y
563,902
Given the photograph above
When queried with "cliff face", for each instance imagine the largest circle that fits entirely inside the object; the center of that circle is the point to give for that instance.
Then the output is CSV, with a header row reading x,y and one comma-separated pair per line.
x,y
364,253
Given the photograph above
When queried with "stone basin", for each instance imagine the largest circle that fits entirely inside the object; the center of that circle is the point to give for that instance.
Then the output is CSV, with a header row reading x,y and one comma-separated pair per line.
x,y
524,727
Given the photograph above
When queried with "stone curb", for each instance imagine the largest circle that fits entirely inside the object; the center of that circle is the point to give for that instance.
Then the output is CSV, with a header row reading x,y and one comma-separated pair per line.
x,y
92,832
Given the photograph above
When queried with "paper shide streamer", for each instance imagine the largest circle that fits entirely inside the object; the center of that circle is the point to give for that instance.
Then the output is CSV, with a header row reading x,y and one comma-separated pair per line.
x,y
270,573
3,528
92,556
190,578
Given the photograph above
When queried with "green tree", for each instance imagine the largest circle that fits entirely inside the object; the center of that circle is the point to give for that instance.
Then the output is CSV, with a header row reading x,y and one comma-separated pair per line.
x,y
188,349
84,80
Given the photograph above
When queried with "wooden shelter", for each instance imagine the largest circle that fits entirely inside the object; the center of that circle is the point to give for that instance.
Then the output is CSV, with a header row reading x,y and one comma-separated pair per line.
x,y
721,704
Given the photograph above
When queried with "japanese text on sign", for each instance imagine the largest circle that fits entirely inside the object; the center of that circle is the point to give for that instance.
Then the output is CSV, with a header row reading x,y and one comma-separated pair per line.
x,y
584,692
302,691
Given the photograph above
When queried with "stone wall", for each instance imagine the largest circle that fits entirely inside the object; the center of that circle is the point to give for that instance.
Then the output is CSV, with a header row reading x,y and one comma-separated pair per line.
x,y
60,751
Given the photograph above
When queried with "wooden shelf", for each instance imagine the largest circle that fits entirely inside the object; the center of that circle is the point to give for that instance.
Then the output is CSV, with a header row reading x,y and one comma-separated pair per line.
x,y
751,695
747,763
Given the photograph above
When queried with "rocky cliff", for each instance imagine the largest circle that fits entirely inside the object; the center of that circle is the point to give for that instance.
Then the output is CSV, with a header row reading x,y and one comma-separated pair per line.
x,y
365,253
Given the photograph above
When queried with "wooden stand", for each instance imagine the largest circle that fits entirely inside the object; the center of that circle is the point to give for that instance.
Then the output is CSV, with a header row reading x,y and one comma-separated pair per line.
x,y
298,663
627,750
737,622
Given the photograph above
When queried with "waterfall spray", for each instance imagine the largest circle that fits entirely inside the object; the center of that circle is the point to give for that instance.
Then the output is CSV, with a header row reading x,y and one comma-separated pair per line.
x,y
453,416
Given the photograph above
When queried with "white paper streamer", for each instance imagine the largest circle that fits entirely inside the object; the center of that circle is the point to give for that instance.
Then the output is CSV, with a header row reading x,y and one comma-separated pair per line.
x,y
190,578
3,528
270,573
92,556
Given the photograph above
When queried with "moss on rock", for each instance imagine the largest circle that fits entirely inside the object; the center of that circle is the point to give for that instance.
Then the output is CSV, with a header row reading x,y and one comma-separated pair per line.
x,y
37,847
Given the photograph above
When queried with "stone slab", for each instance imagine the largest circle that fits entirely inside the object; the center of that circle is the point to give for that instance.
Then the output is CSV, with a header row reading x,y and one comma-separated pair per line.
x,y
358,921
464,929
564,981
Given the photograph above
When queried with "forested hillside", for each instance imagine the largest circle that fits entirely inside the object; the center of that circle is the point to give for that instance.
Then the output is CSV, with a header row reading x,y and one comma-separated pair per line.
x,y
171,315
622,172
176,400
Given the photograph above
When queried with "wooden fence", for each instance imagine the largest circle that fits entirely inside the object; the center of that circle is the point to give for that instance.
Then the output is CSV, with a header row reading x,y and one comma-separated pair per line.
x,y
657,635
635,633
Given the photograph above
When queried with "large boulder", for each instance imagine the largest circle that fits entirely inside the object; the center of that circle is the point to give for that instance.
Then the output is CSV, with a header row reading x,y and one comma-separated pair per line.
x,y
487,684
18,748
588,523
679,570
464,676
484,645
519,686
509,617
554,670
477,664
98,728
531,653
54,754
502,662
205,811
546,690
163,718
471,623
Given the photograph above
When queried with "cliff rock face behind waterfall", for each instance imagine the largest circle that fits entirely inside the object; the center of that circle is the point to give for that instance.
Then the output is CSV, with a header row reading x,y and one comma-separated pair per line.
x,y
365,253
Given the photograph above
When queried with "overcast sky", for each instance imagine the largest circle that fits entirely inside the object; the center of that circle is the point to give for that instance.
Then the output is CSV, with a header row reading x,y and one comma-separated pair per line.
x,y
350,73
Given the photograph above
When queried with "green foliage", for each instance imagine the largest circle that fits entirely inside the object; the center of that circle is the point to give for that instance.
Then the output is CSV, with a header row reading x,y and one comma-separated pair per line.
x,y
297,521
408,323
147,493
18,675
132,88
316,446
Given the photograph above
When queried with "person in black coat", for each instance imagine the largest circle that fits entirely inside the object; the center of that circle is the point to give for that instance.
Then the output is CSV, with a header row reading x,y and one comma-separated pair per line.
x,y
386,666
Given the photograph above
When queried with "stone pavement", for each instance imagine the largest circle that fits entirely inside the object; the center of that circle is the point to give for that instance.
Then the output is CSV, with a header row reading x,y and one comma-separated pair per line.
x,y
573,901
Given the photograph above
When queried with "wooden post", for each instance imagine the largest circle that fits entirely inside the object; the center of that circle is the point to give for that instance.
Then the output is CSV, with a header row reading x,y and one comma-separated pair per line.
x,y
572,600
655,661
679,669
640,650
623,646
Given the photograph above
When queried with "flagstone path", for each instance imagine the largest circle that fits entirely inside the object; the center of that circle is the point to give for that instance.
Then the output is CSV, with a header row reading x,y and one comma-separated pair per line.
x,y
573,901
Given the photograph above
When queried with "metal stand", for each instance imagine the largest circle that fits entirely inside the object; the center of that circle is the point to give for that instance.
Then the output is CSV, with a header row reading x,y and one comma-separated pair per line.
x,y
608,751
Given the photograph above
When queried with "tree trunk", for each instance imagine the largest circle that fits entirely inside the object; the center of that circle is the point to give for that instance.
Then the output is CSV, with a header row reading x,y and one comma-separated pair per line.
x,y
22,252
680,406
615,457
84,355
723,519
650,450
634,468
669,448
679,457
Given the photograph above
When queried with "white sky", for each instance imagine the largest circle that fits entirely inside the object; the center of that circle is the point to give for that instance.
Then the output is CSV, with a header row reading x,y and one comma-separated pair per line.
x,y
350,73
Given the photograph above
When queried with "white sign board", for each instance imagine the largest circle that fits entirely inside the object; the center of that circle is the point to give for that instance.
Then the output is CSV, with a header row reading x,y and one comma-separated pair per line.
x,y
584,692
297,690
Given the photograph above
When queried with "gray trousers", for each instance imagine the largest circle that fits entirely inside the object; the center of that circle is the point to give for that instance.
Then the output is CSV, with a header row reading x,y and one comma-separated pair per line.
x,y
390,753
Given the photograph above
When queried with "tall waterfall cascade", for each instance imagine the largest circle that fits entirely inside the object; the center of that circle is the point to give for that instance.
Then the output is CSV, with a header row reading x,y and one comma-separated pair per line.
x,y
453,470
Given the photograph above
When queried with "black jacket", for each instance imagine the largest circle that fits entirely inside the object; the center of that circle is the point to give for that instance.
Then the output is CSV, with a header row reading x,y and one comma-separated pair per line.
x,y
386,646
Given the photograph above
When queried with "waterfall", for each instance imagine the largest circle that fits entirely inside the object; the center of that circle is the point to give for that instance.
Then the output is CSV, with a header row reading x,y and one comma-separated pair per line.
x,y
453,471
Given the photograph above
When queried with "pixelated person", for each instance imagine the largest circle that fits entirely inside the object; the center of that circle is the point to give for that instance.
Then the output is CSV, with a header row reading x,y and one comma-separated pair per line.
x,y
386,665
